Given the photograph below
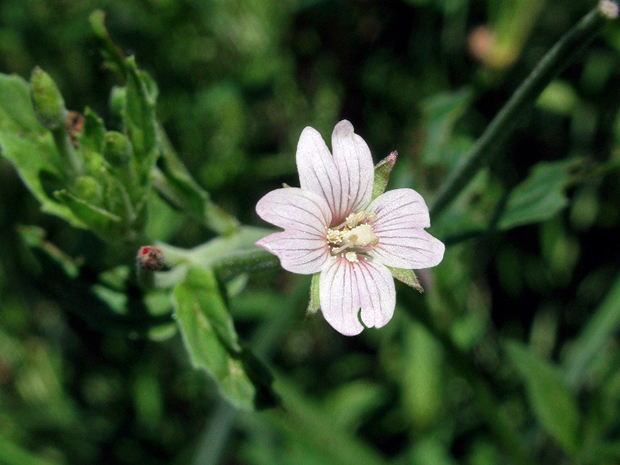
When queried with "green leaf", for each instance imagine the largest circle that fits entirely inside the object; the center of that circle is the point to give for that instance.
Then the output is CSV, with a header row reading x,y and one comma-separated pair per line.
x,y
175,184
441,112
113,56
13,454
99,220
29,146
552,402
599,332
211,340
541,195
140,122
82,294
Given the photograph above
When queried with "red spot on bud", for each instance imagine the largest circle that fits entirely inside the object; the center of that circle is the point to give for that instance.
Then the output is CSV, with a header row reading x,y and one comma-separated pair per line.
x,y
150,258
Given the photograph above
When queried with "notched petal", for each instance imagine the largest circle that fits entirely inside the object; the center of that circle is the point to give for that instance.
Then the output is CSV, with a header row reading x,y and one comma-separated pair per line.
x,y
346,288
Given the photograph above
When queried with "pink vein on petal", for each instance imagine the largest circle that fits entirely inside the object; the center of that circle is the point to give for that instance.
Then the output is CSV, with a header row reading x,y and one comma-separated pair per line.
x,y
298,252
355,167
347,287
339,301
317,171
294,208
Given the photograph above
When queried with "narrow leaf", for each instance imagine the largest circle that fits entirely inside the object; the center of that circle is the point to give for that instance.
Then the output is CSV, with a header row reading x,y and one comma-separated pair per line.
x,y
552,402
140,123
599,332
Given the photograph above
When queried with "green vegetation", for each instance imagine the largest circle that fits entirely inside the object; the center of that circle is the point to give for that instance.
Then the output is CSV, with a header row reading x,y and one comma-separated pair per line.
x,y
162,122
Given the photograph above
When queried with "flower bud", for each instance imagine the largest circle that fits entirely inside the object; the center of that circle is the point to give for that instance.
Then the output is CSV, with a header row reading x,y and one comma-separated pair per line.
x,y
47,100
116,149
88,188
150,258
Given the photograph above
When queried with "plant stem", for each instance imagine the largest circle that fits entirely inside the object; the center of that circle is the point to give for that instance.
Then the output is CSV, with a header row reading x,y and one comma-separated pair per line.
x,y
560,55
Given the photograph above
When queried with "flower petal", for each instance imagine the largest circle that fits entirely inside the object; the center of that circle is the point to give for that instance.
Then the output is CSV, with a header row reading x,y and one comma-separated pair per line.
x,y
402,216
317,170
400,207
298,252
294,208
345,287
355,167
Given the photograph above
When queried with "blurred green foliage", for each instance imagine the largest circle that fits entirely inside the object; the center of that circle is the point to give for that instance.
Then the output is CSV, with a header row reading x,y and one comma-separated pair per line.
x,y
238,81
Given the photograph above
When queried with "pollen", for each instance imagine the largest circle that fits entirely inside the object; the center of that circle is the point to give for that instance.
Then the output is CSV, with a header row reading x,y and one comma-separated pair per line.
x,y
354,235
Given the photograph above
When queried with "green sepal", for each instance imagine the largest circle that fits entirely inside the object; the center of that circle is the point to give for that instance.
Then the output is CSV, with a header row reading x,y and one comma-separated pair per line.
x,y
382,174
117,199
314,304
92,136
118,97
407,277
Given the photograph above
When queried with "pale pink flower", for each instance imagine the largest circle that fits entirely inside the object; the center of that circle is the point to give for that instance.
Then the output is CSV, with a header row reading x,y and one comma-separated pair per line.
x,y
332,227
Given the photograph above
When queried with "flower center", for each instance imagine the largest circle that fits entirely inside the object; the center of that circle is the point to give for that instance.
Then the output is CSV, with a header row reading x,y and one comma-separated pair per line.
x,y
353,236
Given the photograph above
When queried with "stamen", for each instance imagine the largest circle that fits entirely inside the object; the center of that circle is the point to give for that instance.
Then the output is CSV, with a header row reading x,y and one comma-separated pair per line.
x,y
354,233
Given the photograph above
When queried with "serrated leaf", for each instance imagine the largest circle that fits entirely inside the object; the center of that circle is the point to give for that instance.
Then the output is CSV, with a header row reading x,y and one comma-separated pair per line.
x,y
28,145
541,195
551,401
210,337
